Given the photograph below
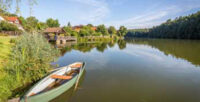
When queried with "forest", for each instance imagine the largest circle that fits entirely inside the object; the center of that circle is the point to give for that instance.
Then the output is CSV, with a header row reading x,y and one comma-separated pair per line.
x,y
187,27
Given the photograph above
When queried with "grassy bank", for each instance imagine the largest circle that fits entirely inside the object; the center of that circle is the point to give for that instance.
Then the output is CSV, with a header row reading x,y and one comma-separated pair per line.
x,y
29,60
5,47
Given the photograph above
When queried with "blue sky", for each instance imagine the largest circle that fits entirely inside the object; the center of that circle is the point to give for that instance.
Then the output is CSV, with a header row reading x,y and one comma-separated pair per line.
x,y
130,13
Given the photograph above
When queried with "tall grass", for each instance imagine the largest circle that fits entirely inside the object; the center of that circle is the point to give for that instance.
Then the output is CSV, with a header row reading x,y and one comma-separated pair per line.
x,y
29,61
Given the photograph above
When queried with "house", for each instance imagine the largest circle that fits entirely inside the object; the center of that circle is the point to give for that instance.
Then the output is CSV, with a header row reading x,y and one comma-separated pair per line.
x,y
54,30
94,28
13,20
1,19
78,28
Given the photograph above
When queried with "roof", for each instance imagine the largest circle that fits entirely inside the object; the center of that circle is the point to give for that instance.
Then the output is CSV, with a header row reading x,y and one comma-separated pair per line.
x,y
77,27
11,19
54,30
1,18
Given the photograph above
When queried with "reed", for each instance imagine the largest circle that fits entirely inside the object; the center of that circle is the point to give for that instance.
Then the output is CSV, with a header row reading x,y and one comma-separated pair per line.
x,y
29,61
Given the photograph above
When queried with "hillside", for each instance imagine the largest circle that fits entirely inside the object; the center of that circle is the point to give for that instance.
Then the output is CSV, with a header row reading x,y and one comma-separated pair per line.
x,y
187,27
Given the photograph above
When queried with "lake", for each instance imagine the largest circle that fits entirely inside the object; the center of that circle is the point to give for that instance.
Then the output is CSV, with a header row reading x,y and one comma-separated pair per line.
x,y
135,70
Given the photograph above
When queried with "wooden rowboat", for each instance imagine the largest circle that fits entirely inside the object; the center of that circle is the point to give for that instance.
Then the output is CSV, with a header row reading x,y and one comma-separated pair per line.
x,y
55,84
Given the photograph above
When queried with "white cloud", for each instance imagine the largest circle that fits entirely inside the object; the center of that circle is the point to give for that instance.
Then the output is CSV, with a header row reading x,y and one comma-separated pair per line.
x,y
99,10
153,17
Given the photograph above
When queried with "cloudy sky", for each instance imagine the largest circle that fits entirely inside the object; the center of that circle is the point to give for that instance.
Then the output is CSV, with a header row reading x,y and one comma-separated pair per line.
x,y
130,13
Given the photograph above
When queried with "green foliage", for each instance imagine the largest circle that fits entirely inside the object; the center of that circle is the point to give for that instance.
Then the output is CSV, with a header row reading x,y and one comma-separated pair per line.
x,y
122,31
187,27
90,25
5,26
30,24
41,26
137,33
29,61
83,32
112,31
22,21
52,23
102,29
69,24
31,56
86,31
32,21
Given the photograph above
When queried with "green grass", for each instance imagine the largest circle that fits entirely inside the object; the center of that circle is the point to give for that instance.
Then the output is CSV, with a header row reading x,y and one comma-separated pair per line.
x,y
27,61
5,47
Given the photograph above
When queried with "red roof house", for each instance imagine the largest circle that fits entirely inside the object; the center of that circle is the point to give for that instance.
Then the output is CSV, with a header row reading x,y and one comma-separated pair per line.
x,y
14,20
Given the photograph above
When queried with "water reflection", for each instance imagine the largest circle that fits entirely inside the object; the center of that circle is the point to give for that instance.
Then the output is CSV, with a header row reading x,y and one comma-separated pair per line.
x,y
136,70
184,49
87,47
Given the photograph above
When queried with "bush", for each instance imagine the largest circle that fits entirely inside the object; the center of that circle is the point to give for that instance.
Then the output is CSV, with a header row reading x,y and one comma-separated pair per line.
x,y
31,57
29,61
5,26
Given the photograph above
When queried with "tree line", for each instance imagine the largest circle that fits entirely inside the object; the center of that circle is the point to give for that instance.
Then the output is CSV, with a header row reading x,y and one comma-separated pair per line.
x,y
32,24
187,27
101,30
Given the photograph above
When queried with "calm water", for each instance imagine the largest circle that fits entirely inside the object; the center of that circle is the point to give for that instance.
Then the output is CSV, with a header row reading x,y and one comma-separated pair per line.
x,y
137,70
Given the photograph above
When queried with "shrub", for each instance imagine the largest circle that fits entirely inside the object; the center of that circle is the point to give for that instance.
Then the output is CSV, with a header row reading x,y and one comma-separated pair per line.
x,y
29,61
5,26
31,57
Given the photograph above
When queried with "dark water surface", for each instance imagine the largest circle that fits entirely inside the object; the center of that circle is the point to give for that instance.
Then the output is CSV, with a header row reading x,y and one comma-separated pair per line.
x,y
137,70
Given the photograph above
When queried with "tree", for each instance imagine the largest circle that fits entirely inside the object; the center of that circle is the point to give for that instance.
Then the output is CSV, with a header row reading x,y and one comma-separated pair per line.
x,y
52,23
69,24
32,21
41,26
90,25
122,31
17,12
5,4
112,31
31,4
102,29
5,26
22,21
68,30
31,24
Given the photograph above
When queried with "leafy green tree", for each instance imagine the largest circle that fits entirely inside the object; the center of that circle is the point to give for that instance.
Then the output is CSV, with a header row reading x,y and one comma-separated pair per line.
x,y
122,31
5,4
5,26
31,24
112,31
90,25
69,24
32,21
83,32
22,21
68,30
31,4
52,23
41,26
102,29
187,27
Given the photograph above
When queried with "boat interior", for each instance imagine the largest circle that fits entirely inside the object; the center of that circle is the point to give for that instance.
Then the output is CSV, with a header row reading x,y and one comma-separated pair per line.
x,y
57,78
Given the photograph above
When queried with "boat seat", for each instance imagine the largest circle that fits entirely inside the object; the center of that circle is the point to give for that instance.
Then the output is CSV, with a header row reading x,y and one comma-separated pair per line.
x,y
61,77
76,66
32,94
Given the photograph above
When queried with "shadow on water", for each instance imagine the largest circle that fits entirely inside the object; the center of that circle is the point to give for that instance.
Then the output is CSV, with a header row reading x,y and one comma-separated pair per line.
x,y
65,97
